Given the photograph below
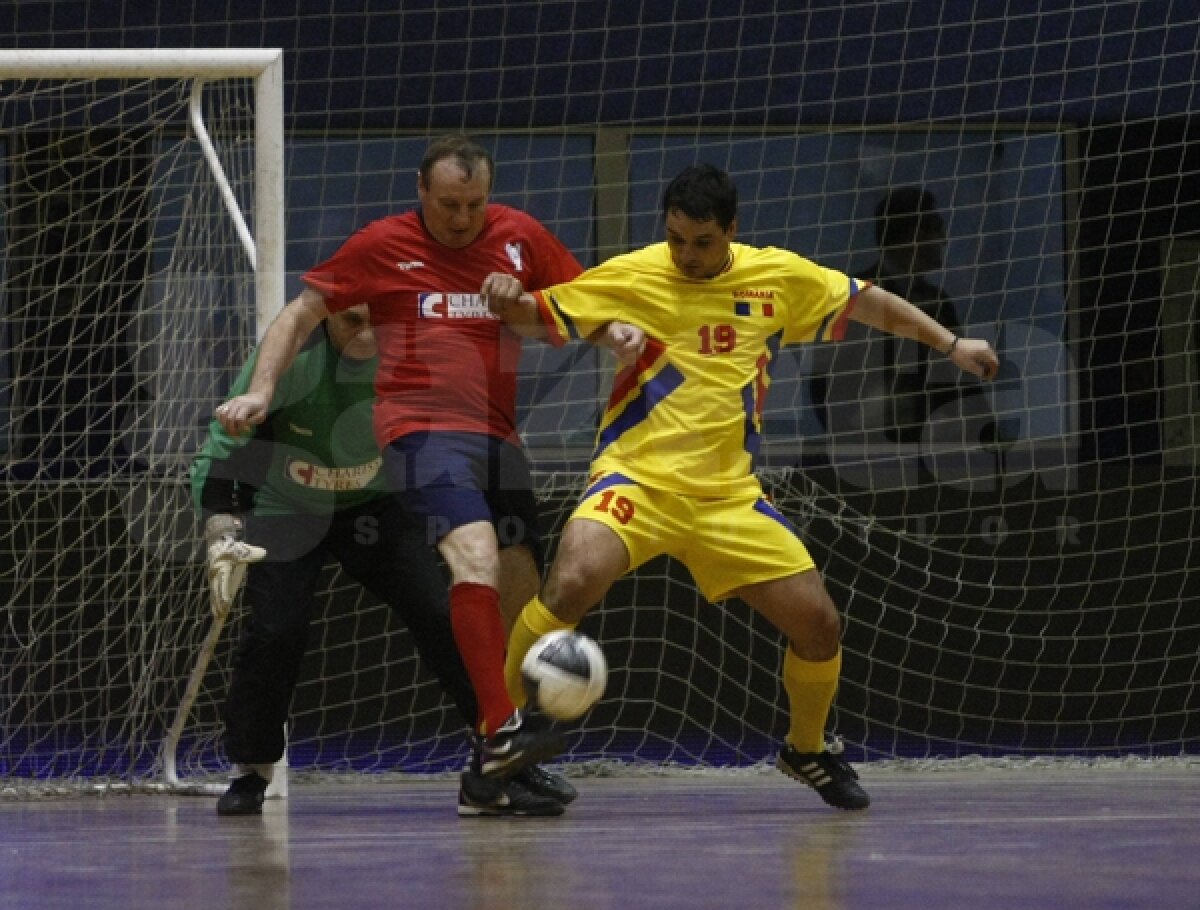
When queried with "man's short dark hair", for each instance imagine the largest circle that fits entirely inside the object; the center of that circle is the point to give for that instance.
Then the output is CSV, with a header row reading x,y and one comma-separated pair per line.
x,y
904,211
703,193
468,154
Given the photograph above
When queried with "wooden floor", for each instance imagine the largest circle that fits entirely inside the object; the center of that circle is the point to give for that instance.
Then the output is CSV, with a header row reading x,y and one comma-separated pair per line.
x,y
1029,838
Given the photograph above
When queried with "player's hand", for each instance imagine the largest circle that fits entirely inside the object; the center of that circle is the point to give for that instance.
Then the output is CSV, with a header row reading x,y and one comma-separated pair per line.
x,y
228,557
976,357
625,341
501,292
239,414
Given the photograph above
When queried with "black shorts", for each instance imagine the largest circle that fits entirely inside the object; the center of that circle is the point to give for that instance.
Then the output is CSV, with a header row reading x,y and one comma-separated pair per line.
x,y
449,479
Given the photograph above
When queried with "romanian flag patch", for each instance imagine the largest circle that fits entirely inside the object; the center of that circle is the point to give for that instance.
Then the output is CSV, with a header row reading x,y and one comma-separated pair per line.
x,y
753,308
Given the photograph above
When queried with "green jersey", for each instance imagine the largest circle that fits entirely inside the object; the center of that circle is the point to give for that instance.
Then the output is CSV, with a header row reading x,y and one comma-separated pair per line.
x,y
315,453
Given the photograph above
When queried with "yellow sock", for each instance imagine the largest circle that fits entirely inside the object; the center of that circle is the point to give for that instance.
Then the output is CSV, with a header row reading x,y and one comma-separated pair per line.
x,y
535,621
810,687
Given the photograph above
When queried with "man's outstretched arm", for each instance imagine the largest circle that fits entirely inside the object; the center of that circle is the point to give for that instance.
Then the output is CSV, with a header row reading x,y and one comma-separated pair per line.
x,y
890,313
519,310
283,340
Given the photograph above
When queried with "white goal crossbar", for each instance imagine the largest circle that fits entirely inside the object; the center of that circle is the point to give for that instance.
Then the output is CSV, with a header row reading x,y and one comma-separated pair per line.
x,y
264,66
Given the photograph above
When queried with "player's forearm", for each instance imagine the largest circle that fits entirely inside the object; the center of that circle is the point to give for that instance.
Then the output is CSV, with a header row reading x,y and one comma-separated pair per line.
x,y
890,313
283,340
509,301
520,314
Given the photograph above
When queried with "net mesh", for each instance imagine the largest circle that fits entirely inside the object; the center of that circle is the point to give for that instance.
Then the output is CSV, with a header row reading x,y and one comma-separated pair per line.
x,y
1015,564
128,305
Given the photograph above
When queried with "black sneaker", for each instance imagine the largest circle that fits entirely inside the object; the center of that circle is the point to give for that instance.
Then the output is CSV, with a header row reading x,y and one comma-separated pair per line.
x,y
244,797
480,796
827,773
524,739
546,783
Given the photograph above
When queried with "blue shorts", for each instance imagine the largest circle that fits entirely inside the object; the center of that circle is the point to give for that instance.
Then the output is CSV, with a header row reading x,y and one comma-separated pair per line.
x,y
451,479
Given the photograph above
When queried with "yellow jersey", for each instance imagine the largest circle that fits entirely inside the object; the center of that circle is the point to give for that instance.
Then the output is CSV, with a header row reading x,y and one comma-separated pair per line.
x,y
687,417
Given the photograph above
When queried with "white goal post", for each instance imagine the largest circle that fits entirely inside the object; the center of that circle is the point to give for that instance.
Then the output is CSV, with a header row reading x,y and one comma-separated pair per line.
x,y
122,135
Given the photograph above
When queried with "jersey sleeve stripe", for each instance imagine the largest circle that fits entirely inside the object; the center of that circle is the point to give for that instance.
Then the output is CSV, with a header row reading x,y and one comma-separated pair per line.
x,y
838,331
559,326
833,326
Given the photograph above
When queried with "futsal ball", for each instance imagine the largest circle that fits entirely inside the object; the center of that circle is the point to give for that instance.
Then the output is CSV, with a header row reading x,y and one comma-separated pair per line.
x,y
564,674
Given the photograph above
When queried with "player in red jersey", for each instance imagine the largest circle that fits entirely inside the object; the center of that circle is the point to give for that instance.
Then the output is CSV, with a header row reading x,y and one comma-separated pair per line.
x,y
445,412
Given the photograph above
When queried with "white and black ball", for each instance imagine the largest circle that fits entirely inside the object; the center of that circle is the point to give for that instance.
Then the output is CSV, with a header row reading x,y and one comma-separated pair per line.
x,y
564,674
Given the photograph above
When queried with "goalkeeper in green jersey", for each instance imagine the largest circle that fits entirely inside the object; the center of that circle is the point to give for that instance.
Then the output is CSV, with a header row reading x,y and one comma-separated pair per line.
x,y
280,501
673,467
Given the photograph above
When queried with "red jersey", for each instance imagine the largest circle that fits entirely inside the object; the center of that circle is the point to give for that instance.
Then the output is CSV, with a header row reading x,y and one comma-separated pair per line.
x,y
445,362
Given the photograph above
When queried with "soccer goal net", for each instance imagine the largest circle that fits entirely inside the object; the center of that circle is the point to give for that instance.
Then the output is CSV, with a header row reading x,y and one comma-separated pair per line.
x,y
142,226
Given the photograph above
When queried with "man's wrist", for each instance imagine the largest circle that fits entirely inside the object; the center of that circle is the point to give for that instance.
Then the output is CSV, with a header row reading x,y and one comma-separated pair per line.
x,y
222,524
953,344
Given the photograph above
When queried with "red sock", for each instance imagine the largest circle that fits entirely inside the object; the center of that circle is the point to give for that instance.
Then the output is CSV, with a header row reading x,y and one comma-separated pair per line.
x,y
479,633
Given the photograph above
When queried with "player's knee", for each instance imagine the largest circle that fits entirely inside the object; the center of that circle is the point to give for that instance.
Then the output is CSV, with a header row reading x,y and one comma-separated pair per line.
x,y
828,627
571,592
820,630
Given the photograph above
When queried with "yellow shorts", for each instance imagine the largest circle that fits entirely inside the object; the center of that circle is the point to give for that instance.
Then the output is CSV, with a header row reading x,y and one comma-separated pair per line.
x,y
725,543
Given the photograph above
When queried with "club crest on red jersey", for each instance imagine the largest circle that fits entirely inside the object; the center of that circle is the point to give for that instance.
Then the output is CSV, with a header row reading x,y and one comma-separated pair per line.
x,y
514,254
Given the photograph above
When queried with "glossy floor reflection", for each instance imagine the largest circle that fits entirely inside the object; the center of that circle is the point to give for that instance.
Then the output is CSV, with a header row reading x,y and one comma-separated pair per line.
x,y
1118,838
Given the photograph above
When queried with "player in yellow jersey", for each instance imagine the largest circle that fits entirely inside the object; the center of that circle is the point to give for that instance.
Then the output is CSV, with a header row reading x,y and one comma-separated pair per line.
x,y
673,467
